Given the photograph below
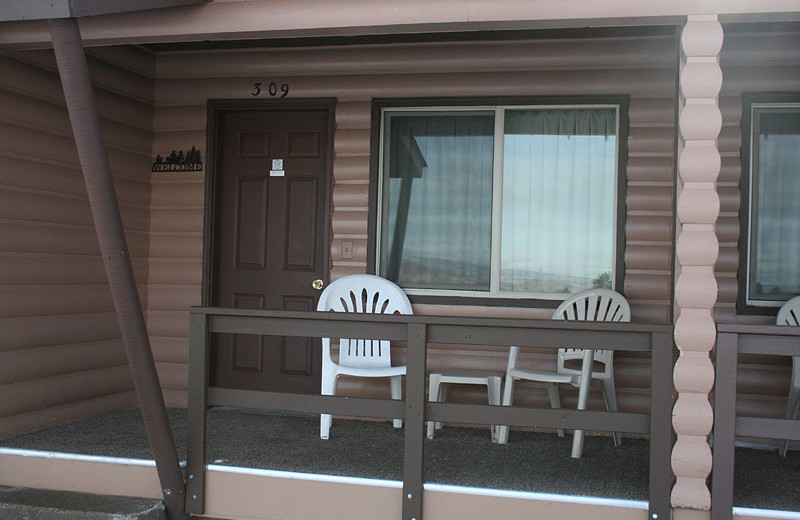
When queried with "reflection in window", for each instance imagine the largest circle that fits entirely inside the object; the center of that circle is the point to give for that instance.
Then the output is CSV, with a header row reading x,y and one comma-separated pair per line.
x,y
447,226
774,247
438,224
558,200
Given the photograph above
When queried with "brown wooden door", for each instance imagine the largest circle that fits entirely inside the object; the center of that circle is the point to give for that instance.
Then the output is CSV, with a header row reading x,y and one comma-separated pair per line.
x,y
270,239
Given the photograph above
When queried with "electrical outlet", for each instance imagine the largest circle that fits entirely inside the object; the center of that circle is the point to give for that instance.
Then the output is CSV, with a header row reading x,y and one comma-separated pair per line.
x,y
347,249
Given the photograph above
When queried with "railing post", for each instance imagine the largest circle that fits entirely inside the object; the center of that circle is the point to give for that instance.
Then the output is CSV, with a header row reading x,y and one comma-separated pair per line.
x,y
413,442
199,349
724,426
661,438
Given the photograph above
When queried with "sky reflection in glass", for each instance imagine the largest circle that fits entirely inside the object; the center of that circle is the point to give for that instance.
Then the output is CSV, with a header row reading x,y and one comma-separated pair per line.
x,y
557,217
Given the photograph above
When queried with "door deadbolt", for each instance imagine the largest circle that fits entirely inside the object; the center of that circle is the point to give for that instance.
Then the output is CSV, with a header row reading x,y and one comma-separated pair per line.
x,y
317,284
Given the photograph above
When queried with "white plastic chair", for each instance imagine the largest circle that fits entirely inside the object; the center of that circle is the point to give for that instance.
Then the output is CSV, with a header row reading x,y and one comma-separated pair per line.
x,y
591,305
361,293
789,314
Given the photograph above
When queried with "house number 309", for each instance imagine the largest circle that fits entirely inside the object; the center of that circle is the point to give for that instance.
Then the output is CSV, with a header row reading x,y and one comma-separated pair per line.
x,y
272,89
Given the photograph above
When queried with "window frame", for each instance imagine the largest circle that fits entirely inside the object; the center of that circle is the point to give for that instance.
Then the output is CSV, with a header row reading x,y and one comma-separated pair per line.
x,y
750,103
621,103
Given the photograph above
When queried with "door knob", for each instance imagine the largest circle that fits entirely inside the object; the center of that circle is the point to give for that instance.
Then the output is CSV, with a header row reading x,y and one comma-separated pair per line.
x,y
317,284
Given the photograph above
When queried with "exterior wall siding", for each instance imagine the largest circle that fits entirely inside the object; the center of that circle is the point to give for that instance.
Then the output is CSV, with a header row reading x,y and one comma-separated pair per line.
x,y
643,67
754,59
61,356
176,244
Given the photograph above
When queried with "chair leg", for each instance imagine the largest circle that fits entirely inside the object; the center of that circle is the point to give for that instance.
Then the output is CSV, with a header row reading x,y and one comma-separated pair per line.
x,y
583,398
610,397
792,407
434,386
442,399
397,393
508,395
329,381
493,390
555,400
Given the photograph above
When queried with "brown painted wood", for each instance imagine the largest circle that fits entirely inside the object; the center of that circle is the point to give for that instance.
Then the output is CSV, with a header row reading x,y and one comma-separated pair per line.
x,y
414,329
23,10
96,166
269,237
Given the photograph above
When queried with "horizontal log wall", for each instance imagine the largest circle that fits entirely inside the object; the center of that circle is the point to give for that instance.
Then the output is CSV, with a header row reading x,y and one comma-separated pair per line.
x,y
176,239
642,66
61,356
754,59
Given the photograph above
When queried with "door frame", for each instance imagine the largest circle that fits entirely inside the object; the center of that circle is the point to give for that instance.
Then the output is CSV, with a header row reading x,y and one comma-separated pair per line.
x,y
211,214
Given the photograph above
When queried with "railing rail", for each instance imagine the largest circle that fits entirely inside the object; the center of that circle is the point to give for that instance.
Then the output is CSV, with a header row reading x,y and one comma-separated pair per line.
x,y
733,340
417,332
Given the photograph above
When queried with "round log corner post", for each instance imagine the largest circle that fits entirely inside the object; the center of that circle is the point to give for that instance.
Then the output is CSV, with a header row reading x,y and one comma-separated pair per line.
x,y
77,85
697,250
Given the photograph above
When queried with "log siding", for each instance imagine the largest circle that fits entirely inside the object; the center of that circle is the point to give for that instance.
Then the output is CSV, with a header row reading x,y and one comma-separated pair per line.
x,y
61,356
640,63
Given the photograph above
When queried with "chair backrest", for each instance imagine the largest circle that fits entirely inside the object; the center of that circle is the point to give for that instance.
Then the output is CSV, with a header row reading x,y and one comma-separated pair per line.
x,y
789,313
591,305
363,293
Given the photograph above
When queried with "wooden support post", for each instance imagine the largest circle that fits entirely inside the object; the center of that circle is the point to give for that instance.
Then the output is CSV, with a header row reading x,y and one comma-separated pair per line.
x,y
661,436
724,427
77,85
199,350
413,449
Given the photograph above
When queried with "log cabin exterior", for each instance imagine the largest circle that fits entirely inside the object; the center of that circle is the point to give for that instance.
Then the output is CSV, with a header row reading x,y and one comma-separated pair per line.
x,y
686,76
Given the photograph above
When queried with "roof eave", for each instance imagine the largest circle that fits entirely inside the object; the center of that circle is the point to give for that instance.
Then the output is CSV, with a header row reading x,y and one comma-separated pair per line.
x,y
19,10
198,20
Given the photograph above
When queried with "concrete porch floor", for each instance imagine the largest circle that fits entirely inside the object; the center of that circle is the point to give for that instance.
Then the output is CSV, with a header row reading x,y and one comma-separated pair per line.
x,y
37,504
535,462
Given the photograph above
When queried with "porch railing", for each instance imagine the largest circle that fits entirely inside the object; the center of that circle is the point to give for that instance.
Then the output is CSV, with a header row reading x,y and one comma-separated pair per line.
x,y
733,340
418,332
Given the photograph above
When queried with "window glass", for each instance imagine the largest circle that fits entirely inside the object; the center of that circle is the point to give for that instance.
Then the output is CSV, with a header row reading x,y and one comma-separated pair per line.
x,y
774,270
499,201
558,200
438,200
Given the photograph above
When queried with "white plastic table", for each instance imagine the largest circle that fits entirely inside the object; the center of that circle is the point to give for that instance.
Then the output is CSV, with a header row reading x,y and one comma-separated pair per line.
x,y
437,389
